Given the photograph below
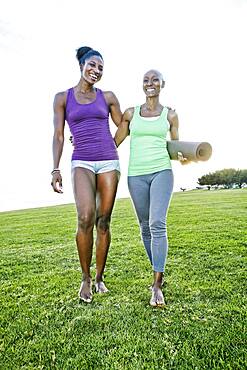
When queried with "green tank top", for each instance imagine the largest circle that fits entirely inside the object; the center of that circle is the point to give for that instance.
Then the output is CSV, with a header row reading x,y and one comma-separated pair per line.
x,y
148,150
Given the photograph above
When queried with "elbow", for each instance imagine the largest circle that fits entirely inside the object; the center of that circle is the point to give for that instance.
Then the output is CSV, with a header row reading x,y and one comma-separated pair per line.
x,y
58,138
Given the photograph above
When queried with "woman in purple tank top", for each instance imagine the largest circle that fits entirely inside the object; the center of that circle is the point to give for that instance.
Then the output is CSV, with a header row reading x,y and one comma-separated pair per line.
x,y
95,162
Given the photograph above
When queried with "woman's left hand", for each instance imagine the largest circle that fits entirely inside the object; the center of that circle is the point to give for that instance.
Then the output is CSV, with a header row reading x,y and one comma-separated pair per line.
x,y
182,159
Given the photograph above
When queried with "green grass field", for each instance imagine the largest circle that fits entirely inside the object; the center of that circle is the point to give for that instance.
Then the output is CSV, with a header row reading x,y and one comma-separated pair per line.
x,y
203,325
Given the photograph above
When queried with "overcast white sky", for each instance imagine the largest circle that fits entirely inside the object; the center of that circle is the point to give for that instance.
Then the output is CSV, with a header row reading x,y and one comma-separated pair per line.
x,y
199,45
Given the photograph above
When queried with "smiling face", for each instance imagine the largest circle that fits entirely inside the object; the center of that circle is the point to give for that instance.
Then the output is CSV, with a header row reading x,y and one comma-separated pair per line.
x,y
152,83
92,69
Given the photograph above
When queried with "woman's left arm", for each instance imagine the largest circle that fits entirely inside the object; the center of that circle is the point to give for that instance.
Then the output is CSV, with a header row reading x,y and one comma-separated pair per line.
x,y
174,124
114,106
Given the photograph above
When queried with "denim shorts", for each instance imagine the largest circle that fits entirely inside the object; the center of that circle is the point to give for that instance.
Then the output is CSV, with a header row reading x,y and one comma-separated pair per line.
x,y
97,166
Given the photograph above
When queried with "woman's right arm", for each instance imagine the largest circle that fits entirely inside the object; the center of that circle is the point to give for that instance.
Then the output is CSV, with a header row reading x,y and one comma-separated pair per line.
x,y
58,139
123,129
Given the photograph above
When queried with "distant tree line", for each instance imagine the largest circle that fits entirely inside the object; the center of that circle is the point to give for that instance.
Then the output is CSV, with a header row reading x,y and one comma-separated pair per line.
x,y
227,178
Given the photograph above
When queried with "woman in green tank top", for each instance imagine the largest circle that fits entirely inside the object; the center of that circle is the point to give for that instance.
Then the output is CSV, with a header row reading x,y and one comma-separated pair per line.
x,y
150,177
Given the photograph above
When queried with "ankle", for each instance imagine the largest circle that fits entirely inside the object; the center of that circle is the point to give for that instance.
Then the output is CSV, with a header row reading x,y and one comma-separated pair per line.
x,y
86,277
98,279
158,279
157,285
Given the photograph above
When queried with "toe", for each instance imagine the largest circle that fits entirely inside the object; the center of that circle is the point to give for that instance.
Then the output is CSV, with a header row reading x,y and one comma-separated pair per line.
x,y
160,302
100,287
153,300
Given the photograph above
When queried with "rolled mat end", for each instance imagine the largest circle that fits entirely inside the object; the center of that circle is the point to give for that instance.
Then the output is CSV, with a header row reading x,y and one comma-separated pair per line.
x,y
193,151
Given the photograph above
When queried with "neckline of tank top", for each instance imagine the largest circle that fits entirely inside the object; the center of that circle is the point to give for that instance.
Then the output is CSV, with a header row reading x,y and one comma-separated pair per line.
x,y
152,118
73,93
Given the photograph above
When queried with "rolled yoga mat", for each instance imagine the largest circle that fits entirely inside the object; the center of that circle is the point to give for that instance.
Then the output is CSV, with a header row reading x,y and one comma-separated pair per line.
x,y
193,151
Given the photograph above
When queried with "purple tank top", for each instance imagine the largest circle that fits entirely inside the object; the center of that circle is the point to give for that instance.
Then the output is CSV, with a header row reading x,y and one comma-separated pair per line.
x,y
89,125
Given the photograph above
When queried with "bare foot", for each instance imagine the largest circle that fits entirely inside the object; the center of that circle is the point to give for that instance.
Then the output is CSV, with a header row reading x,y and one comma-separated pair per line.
x,y
157,298
85,292
100,287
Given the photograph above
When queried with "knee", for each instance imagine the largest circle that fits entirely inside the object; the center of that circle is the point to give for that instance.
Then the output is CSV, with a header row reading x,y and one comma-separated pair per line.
x,y
158,227
85,221
145,229
103,223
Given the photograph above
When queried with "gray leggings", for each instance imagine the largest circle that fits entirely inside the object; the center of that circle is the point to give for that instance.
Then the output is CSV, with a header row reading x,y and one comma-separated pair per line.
x,y
151,196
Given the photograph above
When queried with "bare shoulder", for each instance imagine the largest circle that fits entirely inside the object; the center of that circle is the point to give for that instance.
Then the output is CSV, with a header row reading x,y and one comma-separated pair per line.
x,y
172,113
172,119
60,98
110,97
128,113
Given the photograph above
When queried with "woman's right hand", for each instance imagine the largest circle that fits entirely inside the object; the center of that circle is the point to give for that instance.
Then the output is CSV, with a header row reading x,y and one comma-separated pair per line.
x,y
56,182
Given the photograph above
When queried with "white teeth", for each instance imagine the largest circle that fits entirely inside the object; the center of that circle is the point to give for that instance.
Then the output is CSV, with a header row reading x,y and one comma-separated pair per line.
x,y
149,90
